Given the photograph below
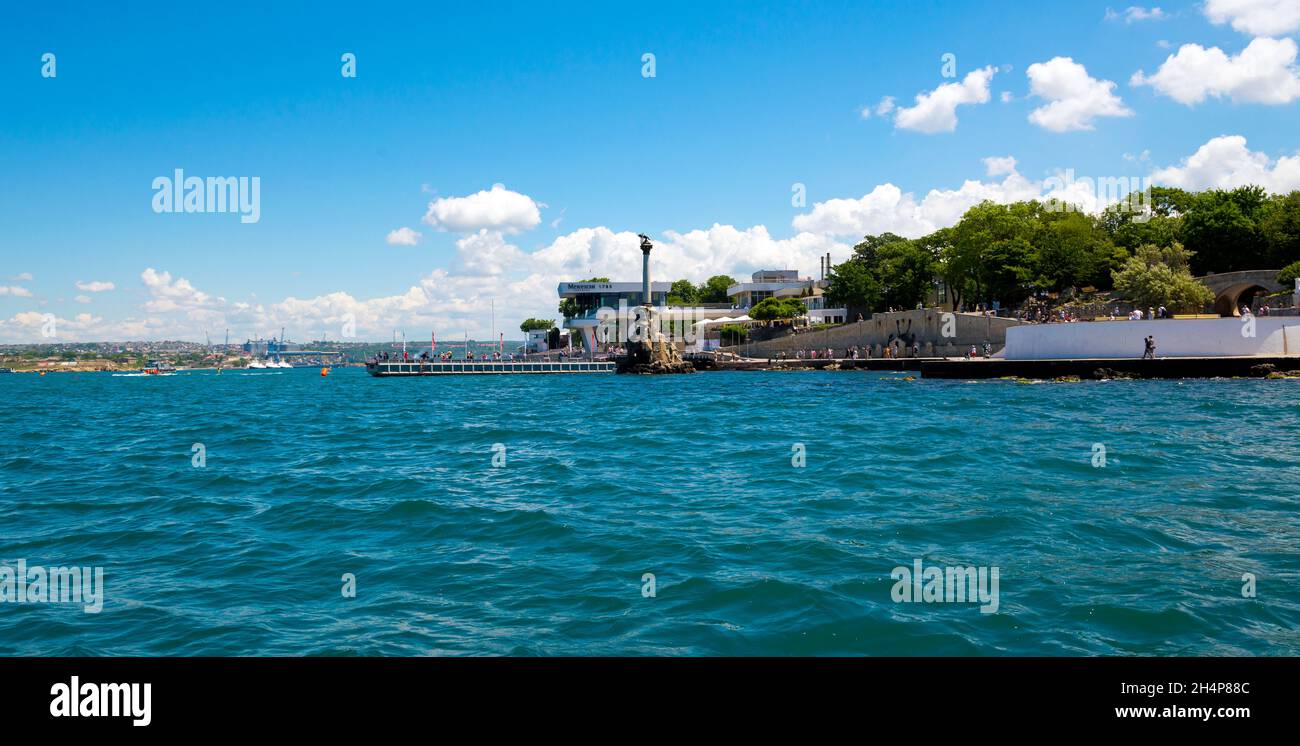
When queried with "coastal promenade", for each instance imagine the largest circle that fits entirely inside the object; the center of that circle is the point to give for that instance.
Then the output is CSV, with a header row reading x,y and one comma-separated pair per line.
x,y
936,332
1250,366
1247,366
754,364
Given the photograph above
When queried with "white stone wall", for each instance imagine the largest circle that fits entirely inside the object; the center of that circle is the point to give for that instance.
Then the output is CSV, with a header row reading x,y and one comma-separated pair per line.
x,y
1174,338
926,327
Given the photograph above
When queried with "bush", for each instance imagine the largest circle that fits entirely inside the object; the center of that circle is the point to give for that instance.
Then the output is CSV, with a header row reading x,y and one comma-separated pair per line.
x,y
1288,275
769,309
732,334
536,325
1159,276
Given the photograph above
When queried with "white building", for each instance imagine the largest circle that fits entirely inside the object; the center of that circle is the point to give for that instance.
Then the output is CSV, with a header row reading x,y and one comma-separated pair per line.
x,y
618,301
786,283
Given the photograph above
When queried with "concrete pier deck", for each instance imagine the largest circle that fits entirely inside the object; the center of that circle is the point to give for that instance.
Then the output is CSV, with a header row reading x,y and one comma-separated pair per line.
x,y
886,364
1163,367
403,368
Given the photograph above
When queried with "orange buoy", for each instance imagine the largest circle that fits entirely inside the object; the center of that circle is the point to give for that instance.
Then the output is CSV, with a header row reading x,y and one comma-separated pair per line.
x,y
42,372
324,372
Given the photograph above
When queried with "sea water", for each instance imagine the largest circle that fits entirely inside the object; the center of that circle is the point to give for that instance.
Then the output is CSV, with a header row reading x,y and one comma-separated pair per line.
x,y
285,513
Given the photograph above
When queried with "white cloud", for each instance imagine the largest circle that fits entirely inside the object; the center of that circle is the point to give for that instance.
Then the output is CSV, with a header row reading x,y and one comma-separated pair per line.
x,y
1225,162
881,109
936,111
402,237
452,300
888,208
497,209
82,299
1006,97
487,252
1075,98
726,249
490,270
23,277
1135,13
15,290
1255,17
167,295
95,286
995,166
1265,73
28,326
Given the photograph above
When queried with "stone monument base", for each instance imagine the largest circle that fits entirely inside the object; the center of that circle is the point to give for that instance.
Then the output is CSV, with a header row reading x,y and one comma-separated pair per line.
x,y
654,358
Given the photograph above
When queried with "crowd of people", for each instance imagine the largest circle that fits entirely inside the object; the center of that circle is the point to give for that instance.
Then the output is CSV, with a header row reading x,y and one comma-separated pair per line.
x,y
895,349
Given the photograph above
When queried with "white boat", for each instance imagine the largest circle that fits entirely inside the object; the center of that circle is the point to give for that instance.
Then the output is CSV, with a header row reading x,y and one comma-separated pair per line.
x,y
282,364
256,365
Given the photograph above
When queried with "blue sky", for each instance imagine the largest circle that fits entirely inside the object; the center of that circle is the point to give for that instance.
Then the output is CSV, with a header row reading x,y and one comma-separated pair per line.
x,y
747,100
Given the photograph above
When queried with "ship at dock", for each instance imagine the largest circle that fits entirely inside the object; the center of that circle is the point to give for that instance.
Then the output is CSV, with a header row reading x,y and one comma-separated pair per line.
x,y
406,368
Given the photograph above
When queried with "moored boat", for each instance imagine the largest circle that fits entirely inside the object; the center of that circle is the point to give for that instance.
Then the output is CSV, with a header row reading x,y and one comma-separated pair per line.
x,y
404,368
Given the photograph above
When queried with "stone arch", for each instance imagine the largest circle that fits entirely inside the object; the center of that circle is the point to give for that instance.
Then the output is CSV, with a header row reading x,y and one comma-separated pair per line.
x,y
1228,300
1230,288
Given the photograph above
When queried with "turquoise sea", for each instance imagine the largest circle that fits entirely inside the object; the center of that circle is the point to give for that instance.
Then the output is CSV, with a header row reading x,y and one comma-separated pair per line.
x,y
689,478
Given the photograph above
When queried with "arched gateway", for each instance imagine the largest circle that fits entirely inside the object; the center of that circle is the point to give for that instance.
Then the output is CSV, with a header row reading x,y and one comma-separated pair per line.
x,y
1232,290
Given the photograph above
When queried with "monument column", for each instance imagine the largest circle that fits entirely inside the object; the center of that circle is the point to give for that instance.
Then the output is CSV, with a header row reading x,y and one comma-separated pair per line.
x,y
646,246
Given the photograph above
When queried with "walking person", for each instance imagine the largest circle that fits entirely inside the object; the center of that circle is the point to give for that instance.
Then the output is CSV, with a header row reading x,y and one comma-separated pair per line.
x,y
1150,352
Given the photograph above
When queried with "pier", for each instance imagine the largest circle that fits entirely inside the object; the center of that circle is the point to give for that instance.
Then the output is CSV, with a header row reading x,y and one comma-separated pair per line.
x,y
1250,366
404,368
884,364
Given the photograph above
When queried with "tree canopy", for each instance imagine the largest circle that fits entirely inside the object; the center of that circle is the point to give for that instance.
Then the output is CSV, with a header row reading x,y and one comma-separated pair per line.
x,y
683,293
777,308
530,325
1006,252
714,290
1159,276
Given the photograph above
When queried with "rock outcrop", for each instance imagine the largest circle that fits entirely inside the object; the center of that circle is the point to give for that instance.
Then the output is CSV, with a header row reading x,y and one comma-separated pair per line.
x,y
654,358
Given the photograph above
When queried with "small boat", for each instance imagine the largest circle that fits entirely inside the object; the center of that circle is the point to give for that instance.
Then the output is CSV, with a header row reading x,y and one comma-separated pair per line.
x,y
282,364
256,365
156,368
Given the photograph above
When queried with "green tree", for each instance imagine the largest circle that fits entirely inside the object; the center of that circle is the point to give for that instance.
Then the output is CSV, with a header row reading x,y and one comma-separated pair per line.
x,y
868,249
1281,227
990,252
569,307
1073,250
1160,276
530,325
905,272
777,308
1288,275
683,293
853,286
732,334
714,290
1222,230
